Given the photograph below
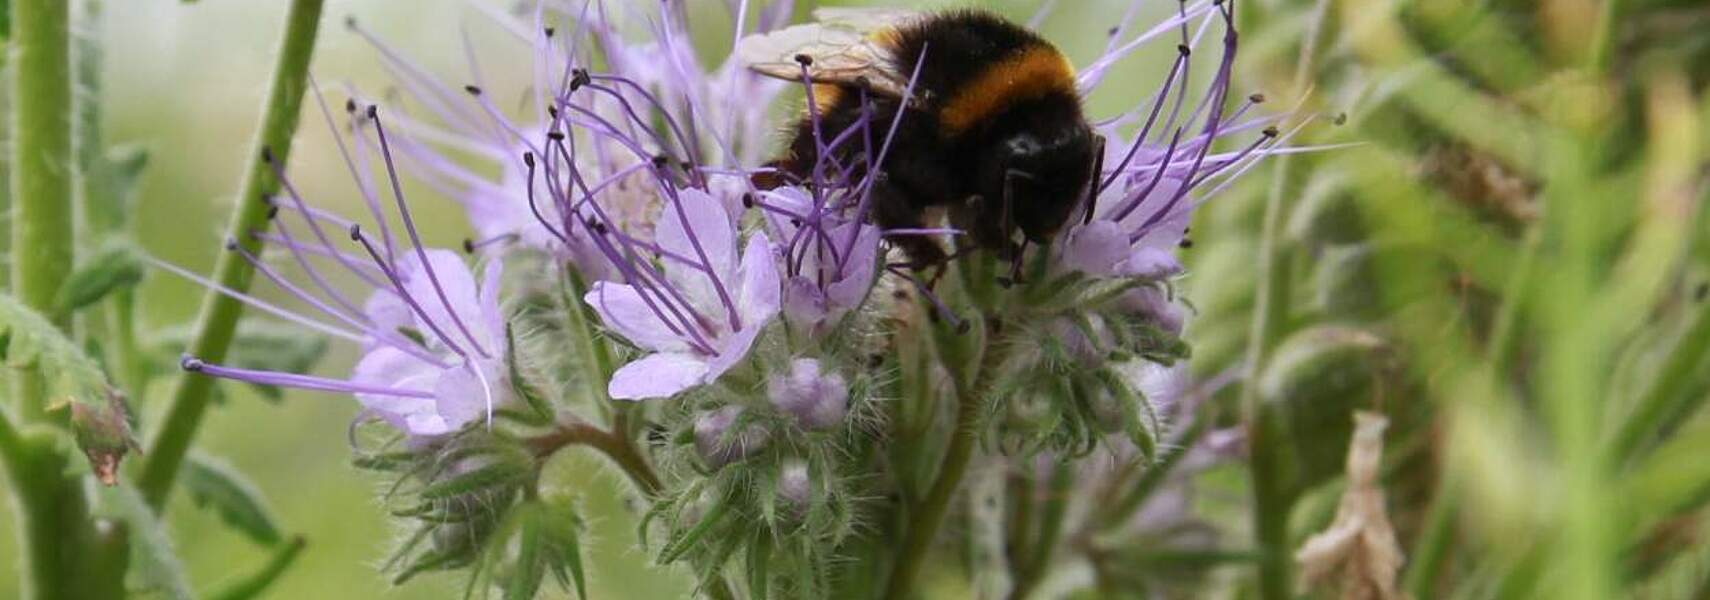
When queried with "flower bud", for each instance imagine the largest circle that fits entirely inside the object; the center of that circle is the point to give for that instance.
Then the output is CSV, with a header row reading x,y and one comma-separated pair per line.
x,y
719,445
795,487
817,400
1156,304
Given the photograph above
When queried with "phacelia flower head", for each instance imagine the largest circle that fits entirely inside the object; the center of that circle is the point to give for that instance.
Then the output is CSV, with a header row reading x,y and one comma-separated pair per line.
x,y
432,331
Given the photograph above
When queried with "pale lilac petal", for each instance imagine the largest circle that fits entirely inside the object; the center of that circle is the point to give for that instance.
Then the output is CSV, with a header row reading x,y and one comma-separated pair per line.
x,y
460,398
850,290
388,313
386,366
660,375
1095,248
458,284
1152,263
804,304
492,319
714,234
757,299
623,310
731,351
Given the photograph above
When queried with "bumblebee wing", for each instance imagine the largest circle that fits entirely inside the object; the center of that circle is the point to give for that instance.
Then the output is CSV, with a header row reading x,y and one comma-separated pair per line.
x,y
866,20
841,54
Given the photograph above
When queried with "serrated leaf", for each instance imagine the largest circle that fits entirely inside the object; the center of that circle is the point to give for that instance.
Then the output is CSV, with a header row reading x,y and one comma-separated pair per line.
x,y
99,417
114,266
215,485
154,562
255,584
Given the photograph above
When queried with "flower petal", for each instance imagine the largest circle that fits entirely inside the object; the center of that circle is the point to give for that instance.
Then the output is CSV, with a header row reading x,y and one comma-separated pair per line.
x,y
660,375
857,278
1095,248
702,225
757,299
623,310
732,350
458,283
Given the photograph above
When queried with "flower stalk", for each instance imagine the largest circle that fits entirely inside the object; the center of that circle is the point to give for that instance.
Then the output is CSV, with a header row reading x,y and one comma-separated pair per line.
x,y
217,321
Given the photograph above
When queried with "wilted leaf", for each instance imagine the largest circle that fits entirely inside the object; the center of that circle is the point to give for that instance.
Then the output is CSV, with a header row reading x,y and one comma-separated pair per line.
x,y
215,485
1358,553
99,417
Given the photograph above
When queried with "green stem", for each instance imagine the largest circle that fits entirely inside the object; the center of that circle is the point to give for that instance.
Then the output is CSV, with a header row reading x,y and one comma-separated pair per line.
x,y
1272,498
217,322
923,524
612,444
42,179
1435,541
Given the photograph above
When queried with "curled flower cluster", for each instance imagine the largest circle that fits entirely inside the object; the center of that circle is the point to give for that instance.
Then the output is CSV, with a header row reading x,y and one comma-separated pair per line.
x,y
800,380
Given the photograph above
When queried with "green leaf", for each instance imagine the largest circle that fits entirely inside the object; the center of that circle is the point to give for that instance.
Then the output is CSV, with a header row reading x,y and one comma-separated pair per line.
x,y
99,417
499,474
214,484
562,531
114,267
1316,379
154,562
260,345
254,584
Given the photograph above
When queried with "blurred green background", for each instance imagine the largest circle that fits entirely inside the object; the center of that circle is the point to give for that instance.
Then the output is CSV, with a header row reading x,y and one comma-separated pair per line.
x,y
185,81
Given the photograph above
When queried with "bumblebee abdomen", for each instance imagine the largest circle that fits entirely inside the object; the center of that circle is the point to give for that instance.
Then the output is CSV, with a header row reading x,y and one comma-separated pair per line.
x,y
977,65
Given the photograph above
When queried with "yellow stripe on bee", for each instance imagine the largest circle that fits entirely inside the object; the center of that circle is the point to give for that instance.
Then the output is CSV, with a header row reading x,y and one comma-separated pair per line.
x,y
825,96
1033,73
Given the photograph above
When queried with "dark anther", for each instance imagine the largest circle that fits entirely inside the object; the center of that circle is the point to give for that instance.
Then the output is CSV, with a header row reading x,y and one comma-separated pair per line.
x,y
231,244
190,363
1113,31
528,159
1340,119
804,60
373,111
598,227
556,136
748,200
272,212
1186,243
550,31
964,327
795,222
473,91
552,111
267,154
900,295
1257,98
350,105
1271,131
468,246
355,232
661,161
1182,48
579,78
350,22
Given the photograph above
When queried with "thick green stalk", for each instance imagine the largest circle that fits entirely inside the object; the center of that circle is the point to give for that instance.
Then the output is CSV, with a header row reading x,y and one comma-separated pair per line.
x,y
1667,400
219,315
1272,497
926,519
43,169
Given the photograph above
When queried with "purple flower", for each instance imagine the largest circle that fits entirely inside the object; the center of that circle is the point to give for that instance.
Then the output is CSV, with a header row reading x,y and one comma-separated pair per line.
x,y
433,336
817,400
831,260
700,316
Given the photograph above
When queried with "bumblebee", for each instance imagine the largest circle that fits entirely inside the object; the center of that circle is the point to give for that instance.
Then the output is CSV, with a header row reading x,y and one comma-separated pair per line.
x,y
989,126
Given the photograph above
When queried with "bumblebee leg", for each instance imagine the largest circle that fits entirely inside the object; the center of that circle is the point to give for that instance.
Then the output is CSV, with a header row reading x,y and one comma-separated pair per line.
x,y
893,209
1095,184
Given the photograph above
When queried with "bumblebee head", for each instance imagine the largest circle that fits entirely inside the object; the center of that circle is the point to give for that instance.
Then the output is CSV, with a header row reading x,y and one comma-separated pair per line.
x,y
1045,173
